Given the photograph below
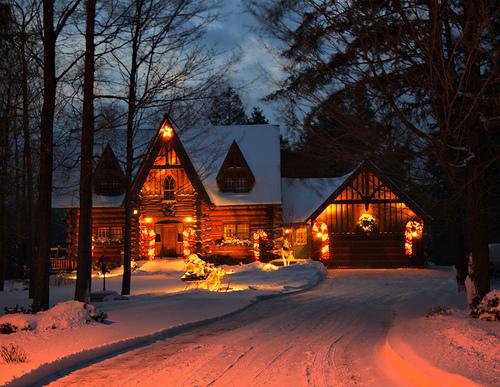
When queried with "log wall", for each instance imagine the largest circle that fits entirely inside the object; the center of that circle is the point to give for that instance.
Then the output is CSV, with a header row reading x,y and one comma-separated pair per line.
x,y
101,217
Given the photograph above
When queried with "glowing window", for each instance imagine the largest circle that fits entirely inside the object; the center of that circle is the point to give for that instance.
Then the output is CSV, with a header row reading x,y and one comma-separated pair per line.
x,y
238,230
117,233
103,233
169,188
301,236
243,231
229,231
172,157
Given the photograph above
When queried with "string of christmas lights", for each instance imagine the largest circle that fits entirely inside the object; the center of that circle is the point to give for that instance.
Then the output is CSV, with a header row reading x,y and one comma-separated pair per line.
x,y
320,231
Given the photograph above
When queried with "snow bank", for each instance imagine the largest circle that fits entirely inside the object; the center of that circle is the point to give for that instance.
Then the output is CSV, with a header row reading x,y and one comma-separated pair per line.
x,y
69,314
452,348
259,275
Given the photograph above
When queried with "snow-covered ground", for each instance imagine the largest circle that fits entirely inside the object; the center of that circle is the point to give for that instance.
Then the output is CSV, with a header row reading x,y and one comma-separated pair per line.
x,y
358,327
159,302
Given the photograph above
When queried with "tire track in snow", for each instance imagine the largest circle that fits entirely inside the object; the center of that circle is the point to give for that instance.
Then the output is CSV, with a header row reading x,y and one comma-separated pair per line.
x,y
241,356
270,363
327,336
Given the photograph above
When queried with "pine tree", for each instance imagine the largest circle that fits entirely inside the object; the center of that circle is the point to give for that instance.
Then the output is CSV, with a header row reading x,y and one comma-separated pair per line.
x,y
421,63
227,108
257,117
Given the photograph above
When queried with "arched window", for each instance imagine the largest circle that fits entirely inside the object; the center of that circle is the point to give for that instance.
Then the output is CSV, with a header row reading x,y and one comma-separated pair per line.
x,y
169,188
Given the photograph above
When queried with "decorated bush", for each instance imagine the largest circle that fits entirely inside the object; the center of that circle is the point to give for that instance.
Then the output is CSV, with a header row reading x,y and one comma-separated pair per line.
x,y
197,269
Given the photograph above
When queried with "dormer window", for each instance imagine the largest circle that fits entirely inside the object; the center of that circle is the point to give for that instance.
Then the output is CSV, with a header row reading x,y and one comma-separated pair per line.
x,y
108,177
169,188
235,184
235,174
110,187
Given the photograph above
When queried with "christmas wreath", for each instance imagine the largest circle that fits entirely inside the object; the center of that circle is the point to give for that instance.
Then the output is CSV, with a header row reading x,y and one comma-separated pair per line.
x,y
366,223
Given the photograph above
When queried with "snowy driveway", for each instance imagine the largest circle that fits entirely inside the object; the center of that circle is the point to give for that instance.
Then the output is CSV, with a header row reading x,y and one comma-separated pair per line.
x,y
331,335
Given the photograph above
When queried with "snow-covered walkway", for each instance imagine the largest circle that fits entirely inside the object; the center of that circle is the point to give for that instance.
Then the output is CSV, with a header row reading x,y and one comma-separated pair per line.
x,y
356,328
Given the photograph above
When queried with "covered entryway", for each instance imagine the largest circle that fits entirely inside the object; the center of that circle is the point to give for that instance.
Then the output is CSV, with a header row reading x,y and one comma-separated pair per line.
x,y
168,239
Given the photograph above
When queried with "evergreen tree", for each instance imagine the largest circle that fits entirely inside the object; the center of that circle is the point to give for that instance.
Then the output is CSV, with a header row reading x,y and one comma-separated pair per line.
x,y
257,117
227,108
420,63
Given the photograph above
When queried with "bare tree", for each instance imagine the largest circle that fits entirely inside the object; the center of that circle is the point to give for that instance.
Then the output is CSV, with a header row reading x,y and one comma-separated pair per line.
x,y
41,265
83,279
160,63
27,47
7,96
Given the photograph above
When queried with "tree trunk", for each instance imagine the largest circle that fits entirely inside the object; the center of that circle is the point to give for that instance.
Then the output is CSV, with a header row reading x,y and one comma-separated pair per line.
x,y
84,268
42,263
455,239
475,139
20,252
477,230
4,130
127,251
28,166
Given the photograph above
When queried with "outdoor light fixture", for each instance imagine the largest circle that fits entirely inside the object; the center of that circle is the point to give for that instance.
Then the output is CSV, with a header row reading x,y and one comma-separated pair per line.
x,y
166,130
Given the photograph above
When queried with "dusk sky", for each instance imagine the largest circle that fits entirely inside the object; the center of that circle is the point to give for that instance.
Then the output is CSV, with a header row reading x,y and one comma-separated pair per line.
x,y
256,69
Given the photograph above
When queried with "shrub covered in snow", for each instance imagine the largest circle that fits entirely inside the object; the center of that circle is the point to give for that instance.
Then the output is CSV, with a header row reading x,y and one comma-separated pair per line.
x,y
489,307
65,315
439,311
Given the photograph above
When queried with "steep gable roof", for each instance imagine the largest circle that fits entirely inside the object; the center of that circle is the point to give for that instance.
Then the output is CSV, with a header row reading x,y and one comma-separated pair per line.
x,y
302,196
306,198
370,167
167,132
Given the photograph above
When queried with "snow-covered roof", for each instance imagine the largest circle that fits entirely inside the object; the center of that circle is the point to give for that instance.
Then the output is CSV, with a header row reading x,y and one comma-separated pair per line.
x,y
207,148
66,174
302,196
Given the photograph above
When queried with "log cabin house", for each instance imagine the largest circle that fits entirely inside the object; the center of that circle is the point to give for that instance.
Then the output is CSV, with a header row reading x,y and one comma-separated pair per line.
x,y
218,191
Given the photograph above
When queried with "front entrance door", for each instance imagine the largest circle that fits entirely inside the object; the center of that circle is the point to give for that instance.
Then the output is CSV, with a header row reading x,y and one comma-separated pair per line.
x,y
168,240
